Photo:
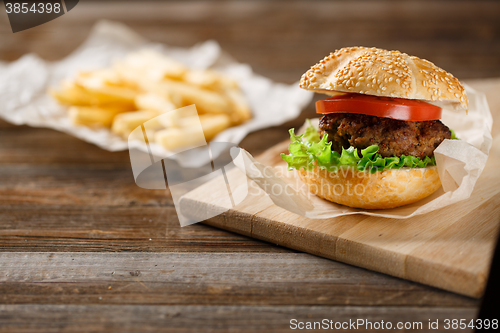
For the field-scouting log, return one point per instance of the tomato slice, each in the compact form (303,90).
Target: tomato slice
(387,107)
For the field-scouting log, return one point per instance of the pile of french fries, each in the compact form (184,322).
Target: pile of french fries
(147,84)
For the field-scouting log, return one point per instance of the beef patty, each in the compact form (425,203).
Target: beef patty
(393,137)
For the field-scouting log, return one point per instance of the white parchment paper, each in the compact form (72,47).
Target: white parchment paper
(24,84)
(459,163)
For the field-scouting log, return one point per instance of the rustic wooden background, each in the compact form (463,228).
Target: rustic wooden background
(84,249)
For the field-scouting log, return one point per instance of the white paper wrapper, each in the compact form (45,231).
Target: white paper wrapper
(24,84)
(459,162)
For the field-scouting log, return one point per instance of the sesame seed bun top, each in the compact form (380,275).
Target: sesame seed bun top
(380,72)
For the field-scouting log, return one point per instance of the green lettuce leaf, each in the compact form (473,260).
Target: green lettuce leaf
(309,150)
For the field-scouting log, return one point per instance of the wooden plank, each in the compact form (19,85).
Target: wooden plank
(41,146)
(56,185)
(111,229)
(207,318)
(205,278)
(462,38)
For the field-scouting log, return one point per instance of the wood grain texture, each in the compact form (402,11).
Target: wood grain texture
(204,278)
(462,37)
(113,228)
(60,195)
(207,318)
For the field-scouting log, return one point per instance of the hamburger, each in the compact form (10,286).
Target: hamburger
(374,148)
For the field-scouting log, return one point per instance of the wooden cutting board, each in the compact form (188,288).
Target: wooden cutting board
(450,248)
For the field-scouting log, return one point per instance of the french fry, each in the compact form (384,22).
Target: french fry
(158,103)
(125,123)
(161,105)
(111,94)
(172,118)
(149,65)
(206,101)
(241,110)
(100,87)
(190,134)
(209,79)
(73,94)
(176,118)
(99,78)
(212,124)
(139,134)
(176,138)
(92,116)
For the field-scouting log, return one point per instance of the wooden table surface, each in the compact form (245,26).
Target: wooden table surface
(83,249)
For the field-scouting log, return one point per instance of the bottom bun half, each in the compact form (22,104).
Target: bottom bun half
(380,190)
